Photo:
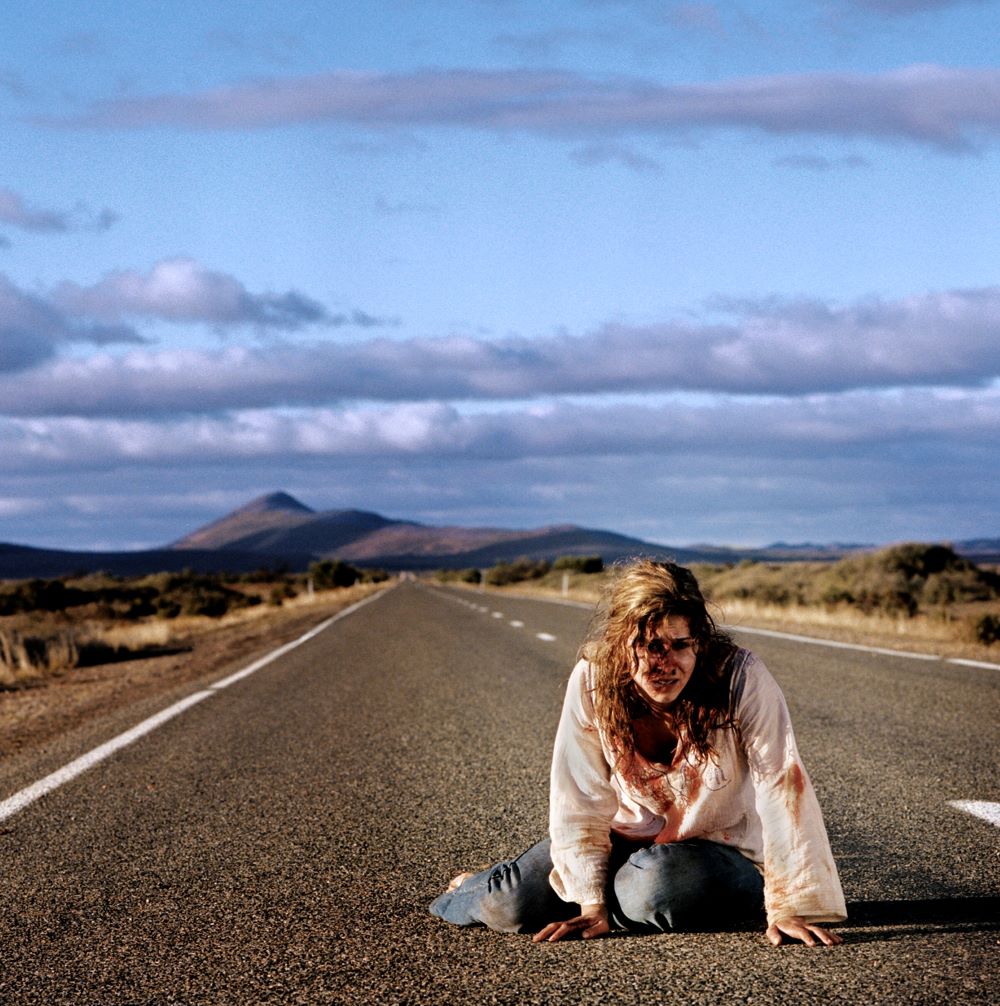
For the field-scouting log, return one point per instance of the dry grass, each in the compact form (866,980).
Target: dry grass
(38,645)
(943,636)
(26,658)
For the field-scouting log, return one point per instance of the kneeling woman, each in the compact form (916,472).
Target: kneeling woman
(678,798)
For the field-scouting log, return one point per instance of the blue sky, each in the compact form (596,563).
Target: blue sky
(717,272)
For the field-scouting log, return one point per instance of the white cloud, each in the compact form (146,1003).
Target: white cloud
(182,290)
(941,106)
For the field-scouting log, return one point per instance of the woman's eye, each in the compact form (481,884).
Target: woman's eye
(657,647)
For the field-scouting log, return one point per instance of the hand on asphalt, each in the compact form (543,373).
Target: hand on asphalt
(593,922)
(798,929)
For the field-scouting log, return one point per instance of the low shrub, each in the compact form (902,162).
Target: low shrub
(901,580)
(374,576)
(580,563)
(469,575)
(987,630)
(282,592)
(515,572)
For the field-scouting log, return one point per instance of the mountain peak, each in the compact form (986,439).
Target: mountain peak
(278,501)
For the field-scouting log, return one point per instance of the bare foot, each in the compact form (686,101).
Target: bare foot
(457,882)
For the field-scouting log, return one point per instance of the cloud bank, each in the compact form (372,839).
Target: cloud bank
(861,423)
(944,107)
(769,347)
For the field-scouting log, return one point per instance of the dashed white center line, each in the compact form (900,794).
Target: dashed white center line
(545,637)
(516,623)
(498,614)
(983,809)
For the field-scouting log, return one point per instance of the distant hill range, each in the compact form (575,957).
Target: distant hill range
(278,531)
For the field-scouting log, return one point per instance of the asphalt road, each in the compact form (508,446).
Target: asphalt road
(279,841)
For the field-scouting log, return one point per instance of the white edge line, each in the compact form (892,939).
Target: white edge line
(983,809)
(834,643)
(973,663)
(31,793)
(24,797)
(282,650)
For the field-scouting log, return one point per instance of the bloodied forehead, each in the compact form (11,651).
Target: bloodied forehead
(669,627)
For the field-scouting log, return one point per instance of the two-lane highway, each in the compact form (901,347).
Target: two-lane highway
(279,841)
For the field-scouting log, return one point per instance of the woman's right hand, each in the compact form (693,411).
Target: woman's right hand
(592,921)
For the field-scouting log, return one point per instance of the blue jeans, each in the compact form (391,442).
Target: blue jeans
(693,885)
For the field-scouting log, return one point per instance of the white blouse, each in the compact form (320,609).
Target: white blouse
(754,795)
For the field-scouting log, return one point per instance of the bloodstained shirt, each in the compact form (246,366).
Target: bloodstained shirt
(752,794)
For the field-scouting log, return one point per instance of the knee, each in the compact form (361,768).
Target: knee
(509,902)
(671,886)
(688,885)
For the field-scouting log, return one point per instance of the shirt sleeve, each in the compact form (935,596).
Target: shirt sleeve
(582,801)
(800,876)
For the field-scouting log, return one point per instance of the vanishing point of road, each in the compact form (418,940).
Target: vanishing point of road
(279,839)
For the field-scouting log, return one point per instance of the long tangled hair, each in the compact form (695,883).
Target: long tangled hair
(640,595)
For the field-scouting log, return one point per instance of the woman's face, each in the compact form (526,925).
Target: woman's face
(666,659)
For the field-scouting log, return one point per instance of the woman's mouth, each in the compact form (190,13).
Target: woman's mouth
(663,682)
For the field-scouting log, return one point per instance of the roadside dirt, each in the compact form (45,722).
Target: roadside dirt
(32,715)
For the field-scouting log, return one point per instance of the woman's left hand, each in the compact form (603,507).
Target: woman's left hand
(798,929)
